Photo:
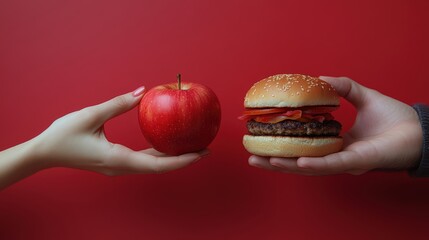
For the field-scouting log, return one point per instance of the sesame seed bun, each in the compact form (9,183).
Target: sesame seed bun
(290,90)
(282,146)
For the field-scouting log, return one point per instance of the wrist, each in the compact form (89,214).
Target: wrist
(34,150)
(31,159)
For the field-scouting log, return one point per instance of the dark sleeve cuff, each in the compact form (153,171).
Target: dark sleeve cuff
(423,168)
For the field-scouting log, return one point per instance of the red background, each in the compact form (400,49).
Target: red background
(60,56)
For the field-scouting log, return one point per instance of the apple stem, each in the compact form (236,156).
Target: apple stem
(179,81)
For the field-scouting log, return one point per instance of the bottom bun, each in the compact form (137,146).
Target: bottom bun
(278,146)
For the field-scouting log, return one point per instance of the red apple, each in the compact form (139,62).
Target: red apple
(178,118)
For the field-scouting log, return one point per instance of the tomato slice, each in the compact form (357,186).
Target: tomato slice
(275,115)
(319,110)
(278,117)
(275,119)
(263,111)
(308,110)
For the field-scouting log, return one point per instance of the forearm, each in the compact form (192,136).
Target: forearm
(18,162)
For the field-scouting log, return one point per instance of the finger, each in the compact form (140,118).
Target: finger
(289,164)
(348,89)
(156,153)
(133,161)
(150,164)
(153,152)
(116,106)
(341,162)
(160,158)
(264,163)
(267,164)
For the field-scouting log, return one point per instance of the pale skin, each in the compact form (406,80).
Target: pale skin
(77,140)
(386,135)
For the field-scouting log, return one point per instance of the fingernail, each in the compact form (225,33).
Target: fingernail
(139,91)
(254,161)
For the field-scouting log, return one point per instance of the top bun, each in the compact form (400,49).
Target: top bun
(291,90)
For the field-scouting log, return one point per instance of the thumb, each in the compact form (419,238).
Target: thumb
(118,105)
(348,89)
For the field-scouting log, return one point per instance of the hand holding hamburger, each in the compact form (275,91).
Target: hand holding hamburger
(386,134)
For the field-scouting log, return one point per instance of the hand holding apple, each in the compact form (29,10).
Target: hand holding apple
(179,118)
(77,140)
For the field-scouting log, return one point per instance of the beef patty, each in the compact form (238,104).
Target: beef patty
(294,128)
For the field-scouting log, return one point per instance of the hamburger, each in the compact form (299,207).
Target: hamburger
(289,115)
